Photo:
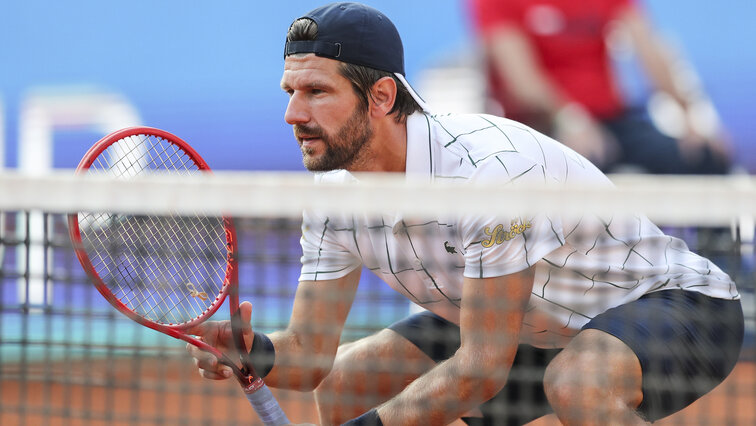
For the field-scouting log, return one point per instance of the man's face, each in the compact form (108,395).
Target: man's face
(331,126)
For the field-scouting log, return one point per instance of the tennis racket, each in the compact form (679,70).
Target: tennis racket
(168,273)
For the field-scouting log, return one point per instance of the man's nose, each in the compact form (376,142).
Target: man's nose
(296,111)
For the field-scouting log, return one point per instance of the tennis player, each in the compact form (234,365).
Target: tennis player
(601,320)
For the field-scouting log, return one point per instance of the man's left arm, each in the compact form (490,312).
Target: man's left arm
(671,74)
(490,320)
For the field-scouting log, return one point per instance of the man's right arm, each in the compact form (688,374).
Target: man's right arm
(305,350)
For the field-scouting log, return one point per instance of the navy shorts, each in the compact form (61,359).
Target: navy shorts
(687,343)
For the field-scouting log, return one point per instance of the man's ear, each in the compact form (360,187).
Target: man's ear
(382,96)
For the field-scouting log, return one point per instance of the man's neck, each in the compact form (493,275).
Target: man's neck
(387,151)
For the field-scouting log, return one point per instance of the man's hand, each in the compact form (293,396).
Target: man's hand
(703,130)
(576,128)
(219,335)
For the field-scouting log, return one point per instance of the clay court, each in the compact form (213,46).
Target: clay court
(172,393)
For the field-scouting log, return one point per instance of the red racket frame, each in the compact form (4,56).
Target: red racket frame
(246,375)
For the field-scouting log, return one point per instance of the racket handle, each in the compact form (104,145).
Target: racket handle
(267,407)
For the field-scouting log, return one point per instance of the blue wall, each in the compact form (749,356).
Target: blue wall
(209,71)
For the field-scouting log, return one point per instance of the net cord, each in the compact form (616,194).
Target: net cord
(671,199)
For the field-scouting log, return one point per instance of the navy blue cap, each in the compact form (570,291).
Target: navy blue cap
(356,34)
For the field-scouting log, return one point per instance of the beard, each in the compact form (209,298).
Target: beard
(342,148)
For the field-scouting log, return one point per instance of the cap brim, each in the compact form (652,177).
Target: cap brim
(415,96)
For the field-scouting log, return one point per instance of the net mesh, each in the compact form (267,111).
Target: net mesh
(67,357)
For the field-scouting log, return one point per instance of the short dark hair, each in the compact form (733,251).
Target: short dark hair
(362,78)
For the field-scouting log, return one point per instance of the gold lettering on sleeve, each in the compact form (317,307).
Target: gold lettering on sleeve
(492,234)
(498,235)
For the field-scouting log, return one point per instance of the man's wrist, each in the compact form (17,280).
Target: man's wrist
(263,354)
(571,116)
(370,418)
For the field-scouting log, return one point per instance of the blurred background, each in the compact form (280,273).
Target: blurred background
(209,71)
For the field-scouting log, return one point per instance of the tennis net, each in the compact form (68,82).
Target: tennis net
(67,357)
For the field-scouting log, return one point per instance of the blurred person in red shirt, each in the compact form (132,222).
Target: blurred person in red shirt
(550,67)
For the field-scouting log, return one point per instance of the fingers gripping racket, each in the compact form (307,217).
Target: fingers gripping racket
(168,273)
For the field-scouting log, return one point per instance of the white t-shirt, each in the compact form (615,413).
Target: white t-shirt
(583,266)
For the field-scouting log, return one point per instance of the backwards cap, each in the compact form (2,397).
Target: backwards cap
(357,34)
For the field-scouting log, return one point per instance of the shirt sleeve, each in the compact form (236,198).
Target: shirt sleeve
(495,245)
(323,256)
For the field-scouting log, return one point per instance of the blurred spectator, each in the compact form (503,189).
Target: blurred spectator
(550,67)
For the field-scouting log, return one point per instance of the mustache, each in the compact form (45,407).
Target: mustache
(301,131)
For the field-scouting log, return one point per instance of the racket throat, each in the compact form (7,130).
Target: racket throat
(251,384)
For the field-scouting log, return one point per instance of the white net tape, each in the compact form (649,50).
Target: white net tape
(678,200)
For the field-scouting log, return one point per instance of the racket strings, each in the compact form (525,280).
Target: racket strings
(167,269)
(177,275)
(154,270)
(133,155)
